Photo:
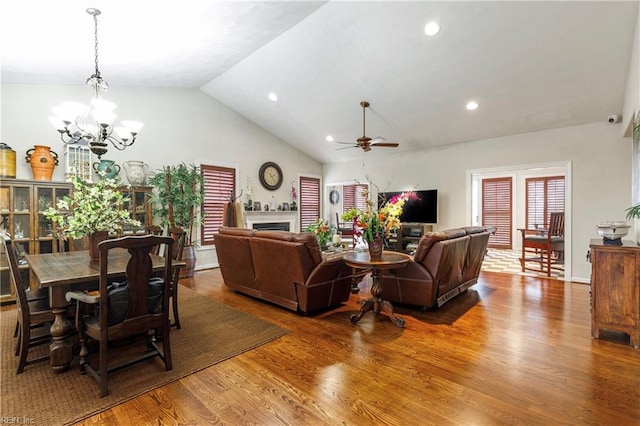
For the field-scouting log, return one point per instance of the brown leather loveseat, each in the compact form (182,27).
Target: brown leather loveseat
(444,265)
(284,268)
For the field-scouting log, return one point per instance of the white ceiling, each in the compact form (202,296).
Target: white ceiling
(530,65)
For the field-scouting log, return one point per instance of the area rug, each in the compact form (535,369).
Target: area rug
(211,332)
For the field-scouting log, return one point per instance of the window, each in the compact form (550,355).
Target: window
(496,210)
(545,195)
(219,188)
(309,201)
(352,197)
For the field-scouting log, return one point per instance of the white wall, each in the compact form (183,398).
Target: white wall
(600,166)
(181,125)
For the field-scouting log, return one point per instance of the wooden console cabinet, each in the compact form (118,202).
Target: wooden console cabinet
(615,289)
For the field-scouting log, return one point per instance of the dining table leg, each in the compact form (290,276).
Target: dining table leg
(61,347)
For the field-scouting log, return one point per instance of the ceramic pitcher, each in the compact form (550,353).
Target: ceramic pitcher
(108,167)
(136,172)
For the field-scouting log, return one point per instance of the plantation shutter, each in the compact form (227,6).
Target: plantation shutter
(496,210)
(545,195)
(219,188)
(352,197)
(309,201)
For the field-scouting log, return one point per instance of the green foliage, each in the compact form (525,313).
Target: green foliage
(176,204)
(322,230)
(633,212)
(91,208)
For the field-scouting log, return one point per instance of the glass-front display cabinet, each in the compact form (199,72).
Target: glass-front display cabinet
(22,206)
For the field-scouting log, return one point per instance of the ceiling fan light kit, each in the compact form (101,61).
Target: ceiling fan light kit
(364,142)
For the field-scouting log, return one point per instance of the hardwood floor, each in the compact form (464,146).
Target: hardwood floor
(511,350)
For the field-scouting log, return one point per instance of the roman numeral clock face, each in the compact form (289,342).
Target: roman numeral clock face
(270,175)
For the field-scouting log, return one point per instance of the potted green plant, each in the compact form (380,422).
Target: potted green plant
(93,210)
(178,192)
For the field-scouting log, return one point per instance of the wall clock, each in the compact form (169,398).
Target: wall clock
(334,196)
(270,175)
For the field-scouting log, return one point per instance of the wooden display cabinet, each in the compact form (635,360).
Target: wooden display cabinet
(615,289)
(139,207)
(22,206)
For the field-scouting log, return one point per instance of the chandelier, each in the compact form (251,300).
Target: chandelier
(93,125)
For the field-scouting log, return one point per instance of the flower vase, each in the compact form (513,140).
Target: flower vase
(93,241)
(375,248)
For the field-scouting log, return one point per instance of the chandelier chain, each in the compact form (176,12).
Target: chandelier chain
(95,45)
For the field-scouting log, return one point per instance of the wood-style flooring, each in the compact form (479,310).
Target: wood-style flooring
(511,350)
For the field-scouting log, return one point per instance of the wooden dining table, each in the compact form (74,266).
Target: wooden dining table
(75,270)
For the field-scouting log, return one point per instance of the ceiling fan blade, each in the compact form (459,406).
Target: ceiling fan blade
(345,143)
(347,147)
(377,139)
(386,144)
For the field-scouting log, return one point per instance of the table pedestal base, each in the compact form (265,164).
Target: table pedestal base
(376,304)
(61,347)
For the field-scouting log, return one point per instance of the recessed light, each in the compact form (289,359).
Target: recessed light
(273,97)
(432,28)
(329,138)
(472,105)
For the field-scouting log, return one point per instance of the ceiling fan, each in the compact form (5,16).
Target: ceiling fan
(365,142)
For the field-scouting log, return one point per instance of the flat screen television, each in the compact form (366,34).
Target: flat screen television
(422,210)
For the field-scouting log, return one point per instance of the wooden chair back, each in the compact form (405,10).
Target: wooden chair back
(14,272)
(556,224)
(154,230)
(179,238)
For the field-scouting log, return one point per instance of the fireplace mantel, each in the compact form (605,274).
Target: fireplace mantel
(291,217)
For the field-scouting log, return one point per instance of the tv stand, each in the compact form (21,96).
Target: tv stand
(407,237)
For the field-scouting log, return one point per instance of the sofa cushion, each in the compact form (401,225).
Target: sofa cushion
(473,229)
(426,242)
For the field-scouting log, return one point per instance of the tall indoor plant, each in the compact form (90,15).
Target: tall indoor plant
(178,193)
(93,210)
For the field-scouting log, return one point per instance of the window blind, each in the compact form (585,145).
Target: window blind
(219,188)
(352,197)
(544,195)
(496,210)
(309,201)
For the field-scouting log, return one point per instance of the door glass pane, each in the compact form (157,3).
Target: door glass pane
(45,226)
(45,199)
(46,246)
(21,228)
(21,200)
(22,249)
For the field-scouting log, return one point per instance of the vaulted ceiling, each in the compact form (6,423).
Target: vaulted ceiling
(529,65)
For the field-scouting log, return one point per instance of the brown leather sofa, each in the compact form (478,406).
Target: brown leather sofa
(281,267)
(444,265)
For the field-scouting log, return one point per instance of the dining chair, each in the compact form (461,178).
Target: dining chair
(123,311)
(179,236)
(31,314)
(154,230)
(544,246)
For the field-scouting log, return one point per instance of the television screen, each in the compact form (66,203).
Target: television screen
(422,210)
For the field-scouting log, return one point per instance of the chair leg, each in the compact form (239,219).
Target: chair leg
(174,301)
(25,336)
(103,369)
(15,332)
(18,340)
(166,348)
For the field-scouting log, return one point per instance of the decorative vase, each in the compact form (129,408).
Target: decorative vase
(42,161)
(189,256)
(7,161)
(108,167)
(136,172)
(375,248)
(93,241)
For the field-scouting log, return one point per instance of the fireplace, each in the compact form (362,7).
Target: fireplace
(271,226)
(277,220)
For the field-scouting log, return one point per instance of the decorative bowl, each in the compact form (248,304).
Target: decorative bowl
(613,230)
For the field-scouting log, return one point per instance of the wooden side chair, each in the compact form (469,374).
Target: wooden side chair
(544,246)
(136,307)
(31,314)
(179,236)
